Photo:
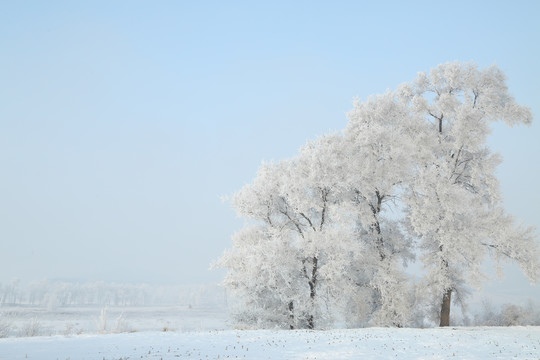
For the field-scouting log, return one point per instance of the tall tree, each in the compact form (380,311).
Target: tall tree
(379,146)
(291,203)
(333,226)
(454,202)
(262,265)
(263,273)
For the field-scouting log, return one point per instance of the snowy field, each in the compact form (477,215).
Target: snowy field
(371,343)
(78,320)
(183,332)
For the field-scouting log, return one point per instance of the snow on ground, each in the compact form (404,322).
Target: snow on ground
(369,343)
(73,320)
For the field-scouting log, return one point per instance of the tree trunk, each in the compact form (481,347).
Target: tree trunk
(376,226)
(313,290)
(445,308)
(310,322)
(291,315)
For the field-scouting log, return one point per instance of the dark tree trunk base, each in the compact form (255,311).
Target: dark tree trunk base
(291,315)
(311,324)
(445,308)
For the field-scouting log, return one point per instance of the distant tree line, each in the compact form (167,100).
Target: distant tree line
(99,293)
(507,315)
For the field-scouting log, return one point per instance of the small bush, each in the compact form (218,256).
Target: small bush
(508,315)
(5,326)
(121,325)
(32,328)
(72,329)
(101,321)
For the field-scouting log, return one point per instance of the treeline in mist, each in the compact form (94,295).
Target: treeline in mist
(53,294)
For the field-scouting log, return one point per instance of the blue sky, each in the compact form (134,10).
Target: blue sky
(122,123)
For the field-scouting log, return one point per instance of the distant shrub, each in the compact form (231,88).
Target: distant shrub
(121,325)
(101,321)
(508,315)
(31,328)
(5,326)
(72,329)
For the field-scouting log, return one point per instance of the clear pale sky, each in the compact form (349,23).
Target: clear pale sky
(123,122)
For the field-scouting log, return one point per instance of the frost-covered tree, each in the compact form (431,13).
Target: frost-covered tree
(295,251)
(330,231)
(378,139)
(258,271)
(263,272)
(320,241)
(454,205)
